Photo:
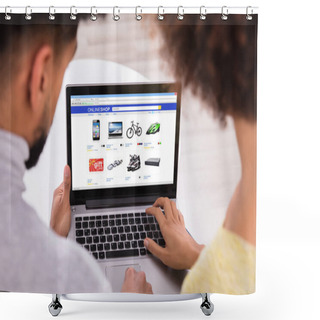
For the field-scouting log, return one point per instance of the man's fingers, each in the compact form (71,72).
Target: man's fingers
(164,203)
(141,277)
(154,248)
(149,288)
(58,190)
(130,272)
(157,213)
(67,181)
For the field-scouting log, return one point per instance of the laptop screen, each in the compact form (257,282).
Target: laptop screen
(123,136)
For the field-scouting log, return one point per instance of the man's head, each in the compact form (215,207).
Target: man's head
(33,59)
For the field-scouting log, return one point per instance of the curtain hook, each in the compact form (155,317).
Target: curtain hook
(160,15)
(224,13)
(28,13)
(203,13)
(7,10)
(138,16)
(180,13)
(116,17)
(93,15)
(52,12)
(249,15)
(73,13)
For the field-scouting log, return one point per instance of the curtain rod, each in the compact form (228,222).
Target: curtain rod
(224,10)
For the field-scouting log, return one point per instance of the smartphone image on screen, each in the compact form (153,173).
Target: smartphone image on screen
(96,129)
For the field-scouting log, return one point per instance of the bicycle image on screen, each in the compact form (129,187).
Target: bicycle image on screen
(134,129)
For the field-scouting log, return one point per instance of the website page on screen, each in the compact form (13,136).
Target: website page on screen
(122,140)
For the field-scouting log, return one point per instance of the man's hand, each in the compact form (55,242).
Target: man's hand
(135,282)
(60,213)
(181,250)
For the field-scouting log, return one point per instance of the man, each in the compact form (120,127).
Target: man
(34,258)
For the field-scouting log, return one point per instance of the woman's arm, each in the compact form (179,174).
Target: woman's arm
(241,213)
(181,250)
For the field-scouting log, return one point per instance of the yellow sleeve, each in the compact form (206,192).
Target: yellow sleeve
(227,265)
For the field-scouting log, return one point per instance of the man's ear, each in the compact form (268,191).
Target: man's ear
(41,69)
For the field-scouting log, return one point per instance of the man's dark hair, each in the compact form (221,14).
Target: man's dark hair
(18,34)
(217,59)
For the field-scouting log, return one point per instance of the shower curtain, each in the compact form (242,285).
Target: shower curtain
(116,108)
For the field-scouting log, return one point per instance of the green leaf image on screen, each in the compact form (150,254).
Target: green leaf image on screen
(154,128)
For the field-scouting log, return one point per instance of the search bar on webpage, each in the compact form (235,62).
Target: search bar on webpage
(137,108)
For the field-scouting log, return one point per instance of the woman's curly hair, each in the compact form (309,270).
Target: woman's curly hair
(217,59)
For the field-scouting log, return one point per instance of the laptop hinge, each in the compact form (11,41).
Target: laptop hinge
(124,202)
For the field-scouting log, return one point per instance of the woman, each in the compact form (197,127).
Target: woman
(217,59)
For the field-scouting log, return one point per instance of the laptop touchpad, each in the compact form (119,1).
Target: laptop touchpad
(115,274)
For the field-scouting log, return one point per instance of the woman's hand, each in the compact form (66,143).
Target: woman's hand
(181,250)
(61,213)
(136,282)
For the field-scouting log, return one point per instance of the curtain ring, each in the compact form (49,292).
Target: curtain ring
(116,17)
(224,13)
(93,15)
(160,15)
(180,13)
(52,12)
(7,10)
(138,16)
(28,13)
(249,15)
(203,13)
(73,13)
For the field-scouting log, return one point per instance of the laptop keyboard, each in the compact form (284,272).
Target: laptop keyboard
(117,235)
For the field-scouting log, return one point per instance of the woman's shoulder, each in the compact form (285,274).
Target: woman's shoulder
(226,265)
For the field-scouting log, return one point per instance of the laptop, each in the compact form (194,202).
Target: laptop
(115,180)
